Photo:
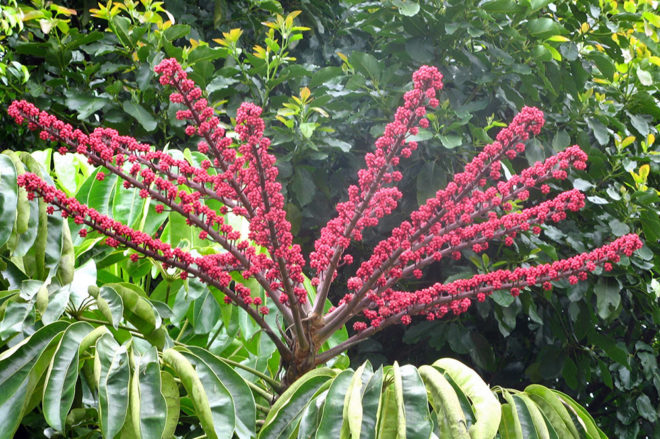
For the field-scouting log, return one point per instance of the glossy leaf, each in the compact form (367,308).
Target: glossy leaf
(8,198)
(21,368)
(62,376)
(152,412)
(445,403)
(334,409)
(170,391)
(194,387)
(285,413)
(486,406)
(416,405)
(113,383)
(242,398)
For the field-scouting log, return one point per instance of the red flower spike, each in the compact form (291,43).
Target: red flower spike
(476,208)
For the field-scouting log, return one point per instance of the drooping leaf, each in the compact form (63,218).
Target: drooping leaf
(486,407)
(287,410)
(445,403)
(170,391)
(195,389)
(152,412)
(243,400)
(62,376)
(416,405)
(330,425)
(111,362)
(21,368)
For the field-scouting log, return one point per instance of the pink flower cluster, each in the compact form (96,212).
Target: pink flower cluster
(456,297)
(476,208)
(374,197)
(247,176)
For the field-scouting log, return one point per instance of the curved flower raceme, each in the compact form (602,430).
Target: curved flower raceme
(478,206)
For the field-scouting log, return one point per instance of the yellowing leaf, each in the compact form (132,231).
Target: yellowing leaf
(650,139)
(627,141)
(584,28)
(558,38)
(62,10)
(233,35)
(259,52)
(305,93)
(644,172)
(342,56)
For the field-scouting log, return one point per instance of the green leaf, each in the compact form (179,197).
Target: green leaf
(604,64)
(217,394)
(243,400)
(8,199)
(387,415)
(206,313)
(99,195)
(451,141)
(608,344)
(644,77)
(366,64)
(607,296)
(503,298)
(499,6)
(398,398)
(600,131)
(113,374)
(303,186)
(509,425)
(66,265)
(177,31)
(553,409)
(486,407)
(586,421)
(646,409)
(141,313)
(21,368)
(544,27)
(127,206)
(307,129)
(85,105)
(525,418)
(352,404)
(451,419)
(110,304)
(62,376)
(170,391)
(408,8)
(369,405)
(650,225)
(418,418)
(192,382)
(330,425)
(58,298)
(286,412)
(140,114)
(152,411)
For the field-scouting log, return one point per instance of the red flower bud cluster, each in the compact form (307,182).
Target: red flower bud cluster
(476,208)
(374,197)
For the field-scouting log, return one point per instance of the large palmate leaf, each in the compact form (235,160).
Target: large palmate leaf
(448,399)
(21,368)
